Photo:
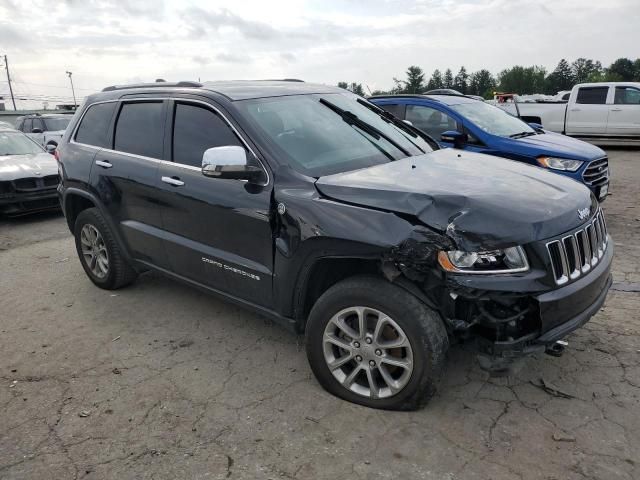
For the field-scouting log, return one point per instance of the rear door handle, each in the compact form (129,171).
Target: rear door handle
(616,109)
(103,164)
(575,109)
(175,181)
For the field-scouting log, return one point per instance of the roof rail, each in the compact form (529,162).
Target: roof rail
(184,84)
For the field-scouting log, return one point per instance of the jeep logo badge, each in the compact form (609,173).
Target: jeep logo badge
(583,213)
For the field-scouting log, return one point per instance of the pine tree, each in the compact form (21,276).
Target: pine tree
(448,79)
(435,81)
(460,82)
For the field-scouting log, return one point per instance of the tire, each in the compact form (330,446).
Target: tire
(423,329)
(118,272)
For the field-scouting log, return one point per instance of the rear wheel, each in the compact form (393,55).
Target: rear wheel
(99,253)
(373,343)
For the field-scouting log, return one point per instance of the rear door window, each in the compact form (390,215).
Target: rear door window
(430,120)
(140,129)
(94,127)
(396,109)
(592,95)
(196,129)
(26,126)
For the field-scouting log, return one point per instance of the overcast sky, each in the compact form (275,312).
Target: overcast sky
(325,41)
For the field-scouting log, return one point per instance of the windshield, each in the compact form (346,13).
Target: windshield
(16,143)
(493,120)
(58,123)
(314,139)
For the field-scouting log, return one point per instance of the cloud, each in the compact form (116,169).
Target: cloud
(233,58)
(202,22)
(108,42)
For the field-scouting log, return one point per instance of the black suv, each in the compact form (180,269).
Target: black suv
(314,207)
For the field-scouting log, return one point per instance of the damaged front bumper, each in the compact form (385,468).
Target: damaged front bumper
(515,315)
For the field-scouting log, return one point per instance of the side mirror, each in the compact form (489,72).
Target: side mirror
(36,130)
(229,162)
(457,138)
(50,148)
(536,126)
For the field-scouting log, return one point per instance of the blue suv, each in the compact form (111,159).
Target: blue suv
(464,122)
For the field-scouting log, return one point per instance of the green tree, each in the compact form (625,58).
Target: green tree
(560,79)
(447,81)
(522,80)
(583,69)
(621,70)
(352,87)
(460,82)
(435,81)
(636,69)
(482,83)
(414,82)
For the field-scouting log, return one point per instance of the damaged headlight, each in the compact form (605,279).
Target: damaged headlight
(560,163)
(508,260)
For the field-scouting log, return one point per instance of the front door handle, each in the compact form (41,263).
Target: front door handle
(575,109)
(103,164)
(175,181)
(616,109)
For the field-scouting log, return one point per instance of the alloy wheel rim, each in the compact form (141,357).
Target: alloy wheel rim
(367,352)
(94,251)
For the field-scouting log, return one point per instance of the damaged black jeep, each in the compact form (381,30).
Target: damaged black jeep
(316,208)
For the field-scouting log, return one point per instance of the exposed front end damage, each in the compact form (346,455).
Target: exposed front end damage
(504,316)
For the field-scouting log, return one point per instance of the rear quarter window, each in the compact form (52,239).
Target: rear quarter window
(94,126)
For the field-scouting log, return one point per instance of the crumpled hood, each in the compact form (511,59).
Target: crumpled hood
(21,166)
(480,201)
(550,143)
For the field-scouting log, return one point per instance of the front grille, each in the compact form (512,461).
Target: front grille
(31,184)
(577,253)
(51,180)
(25,183)
(597,173)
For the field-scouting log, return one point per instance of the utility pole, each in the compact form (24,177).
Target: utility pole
(72,90)
(6,64)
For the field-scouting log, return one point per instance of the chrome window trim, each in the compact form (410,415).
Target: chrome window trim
(158,160)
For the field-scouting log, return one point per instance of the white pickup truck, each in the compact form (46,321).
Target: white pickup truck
(606,112)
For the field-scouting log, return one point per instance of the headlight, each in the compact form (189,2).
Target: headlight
(508,260)
(560,163)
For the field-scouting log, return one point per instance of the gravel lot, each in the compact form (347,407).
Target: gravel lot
(161,381)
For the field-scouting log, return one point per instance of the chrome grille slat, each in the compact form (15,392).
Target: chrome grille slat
(574,255)
(597,172)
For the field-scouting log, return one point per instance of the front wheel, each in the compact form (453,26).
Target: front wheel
(373,343)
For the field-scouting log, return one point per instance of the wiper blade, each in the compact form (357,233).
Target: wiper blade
(410,129)
(522,134)
(352,119)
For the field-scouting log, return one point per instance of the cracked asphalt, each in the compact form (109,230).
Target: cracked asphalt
(160,381)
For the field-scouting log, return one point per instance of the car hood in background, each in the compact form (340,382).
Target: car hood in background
(13,167)
(562,146)
(480,201)
(55,133)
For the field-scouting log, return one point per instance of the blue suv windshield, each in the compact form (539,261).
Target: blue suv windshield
(309,133)
(493,120)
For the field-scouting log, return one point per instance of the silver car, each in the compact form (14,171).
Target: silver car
(46,129)
(28,175)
